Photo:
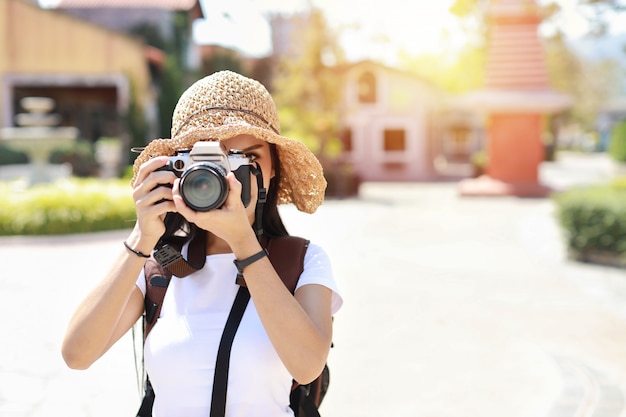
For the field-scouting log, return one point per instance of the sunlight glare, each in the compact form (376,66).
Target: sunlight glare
(379,30)
(391,26)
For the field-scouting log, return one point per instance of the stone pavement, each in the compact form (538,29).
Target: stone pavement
(454,307)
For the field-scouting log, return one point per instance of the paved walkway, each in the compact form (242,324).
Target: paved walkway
(454,307)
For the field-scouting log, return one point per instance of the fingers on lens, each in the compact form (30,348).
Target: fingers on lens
(161,193)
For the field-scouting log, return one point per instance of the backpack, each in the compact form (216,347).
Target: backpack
(286,254)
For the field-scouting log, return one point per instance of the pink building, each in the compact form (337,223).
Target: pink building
(389,123)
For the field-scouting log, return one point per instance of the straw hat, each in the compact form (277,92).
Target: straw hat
(226,104)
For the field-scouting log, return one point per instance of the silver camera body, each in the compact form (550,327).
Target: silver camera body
(202,171)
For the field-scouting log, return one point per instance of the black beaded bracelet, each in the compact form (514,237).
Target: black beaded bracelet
(136,252)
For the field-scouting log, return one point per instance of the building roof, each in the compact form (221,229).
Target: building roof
(130,4)
(365,63)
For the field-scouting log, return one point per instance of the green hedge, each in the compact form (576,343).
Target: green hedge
(9,157)
(594,222)
(69,206)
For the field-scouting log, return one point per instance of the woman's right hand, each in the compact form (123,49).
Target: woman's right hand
(116,303)
(152,194)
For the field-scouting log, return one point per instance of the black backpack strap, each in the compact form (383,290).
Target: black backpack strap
(220,378)
(286,254)
(305,399)
(306,404)
(145,410)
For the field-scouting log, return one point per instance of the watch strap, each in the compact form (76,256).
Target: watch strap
(241,265)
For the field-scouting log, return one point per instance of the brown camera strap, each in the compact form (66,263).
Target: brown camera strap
(173,261)
(287,257)
(286,253)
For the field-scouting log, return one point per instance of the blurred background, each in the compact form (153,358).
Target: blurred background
(475,152)
(380,93)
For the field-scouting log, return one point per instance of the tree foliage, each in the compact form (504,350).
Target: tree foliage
(173,77)
(598,11)
(171,86)
(595,10)
(222,59)
(590,83)
(307,87)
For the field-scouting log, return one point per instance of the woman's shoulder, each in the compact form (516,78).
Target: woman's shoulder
(318,270)
(314,250)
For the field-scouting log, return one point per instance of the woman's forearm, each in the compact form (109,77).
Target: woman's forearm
(300,327)
(106,313)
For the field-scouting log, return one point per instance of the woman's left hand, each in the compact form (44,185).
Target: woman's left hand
(230,222)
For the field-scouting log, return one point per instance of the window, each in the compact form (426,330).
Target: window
(459,138)
(367,88)
(394,166)
(394,140)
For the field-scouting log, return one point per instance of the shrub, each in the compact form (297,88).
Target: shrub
(127,174)
(594,222)
(9,156)
(80,155)
(69,206)
(480,161)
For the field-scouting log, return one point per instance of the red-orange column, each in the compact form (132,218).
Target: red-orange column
(515,147)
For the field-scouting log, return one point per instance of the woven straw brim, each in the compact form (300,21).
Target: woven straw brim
(302,179)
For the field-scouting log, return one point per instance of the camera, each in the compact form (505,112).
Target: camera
(202,171)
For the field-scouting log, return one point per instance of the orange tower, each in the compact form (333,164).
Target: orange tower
(515,100)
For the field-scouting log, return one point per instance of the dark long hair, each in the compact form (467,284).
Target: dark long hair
(179,231)
(273,225)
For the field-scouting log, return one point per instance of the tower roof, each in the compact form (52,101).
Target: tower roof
(515,55)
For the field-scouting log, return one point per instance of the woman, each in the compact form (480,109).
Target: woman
(281,336)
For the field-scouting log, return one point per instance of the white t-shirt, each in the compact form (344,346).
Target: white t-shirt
(181,349)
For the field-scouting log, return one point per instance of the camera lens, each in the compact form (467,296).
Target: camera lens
(204,187)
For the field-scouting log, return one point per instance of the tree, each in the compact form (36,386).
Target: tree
(173,77)
(172,82)
(307,86)
(221,59)
(598,10)
(590,83)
